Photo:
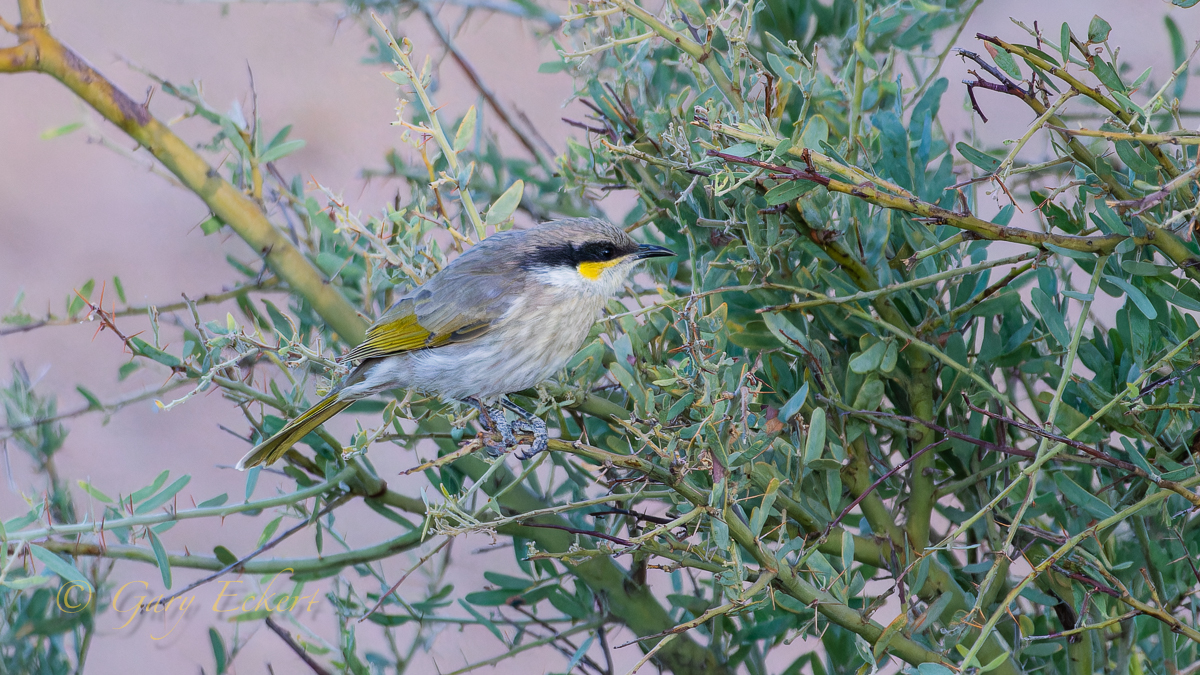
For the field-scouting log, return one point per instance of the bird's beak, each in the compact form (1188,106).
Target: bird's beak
(650,251)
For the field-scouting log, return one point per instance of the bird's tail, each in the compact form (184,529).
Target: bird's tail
(270,450)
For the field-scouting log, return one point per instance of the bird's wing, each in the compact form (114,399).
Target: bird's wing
(448,308)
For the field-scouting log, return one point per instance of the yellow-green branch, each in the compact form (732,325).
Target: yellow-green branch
(39,51)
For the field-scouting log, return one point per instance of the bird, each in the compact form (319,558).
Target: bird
(504,316)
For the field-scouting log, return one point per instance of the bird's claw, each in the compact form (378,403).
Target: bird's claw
(493,419)
(533,425)
(541,441)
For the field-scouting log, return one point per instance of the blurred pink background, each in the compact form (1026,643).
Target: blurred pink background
(71,210)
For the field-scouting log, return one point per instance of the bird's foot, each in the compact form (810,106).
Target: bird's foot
(532,425)
(494,420)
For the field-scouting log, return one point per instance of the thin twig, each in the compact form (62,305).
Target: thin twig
(589,533)
(396,585)
(484,90)
(708,615)
(1089,450)
(295,646)
(891,472)
(250,556)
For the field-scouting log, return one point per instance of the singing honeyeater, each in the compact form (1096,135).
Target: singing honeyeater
(505,315)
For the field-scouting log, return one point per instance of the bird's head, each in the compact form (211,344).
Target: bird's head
(587,255)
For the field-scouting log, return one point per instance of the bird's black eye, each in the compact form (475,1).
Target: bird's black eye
(598,251)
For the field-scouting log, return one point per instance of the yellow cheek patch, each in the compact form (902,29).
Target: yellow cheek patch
(592,270)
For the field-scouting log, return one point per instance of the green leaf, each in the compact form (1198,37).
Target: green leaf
(1107,75)
(898,624)
(1007,63)
(61,131)
(93,400)
(127,369)
(143,348)
(390,620)
(466,130)
(211,225)
(1034,50)
(568,604)
(280,136)
(1108,220)
(224,555)
(1139,298)
(794,404)
(162,497)
(816,131)
(150,489)
(997,304)
(922,575)
(1141,268)
(865,56)
(1082,498)
(1127,103)
(1064,42)
(486,622)
(978,158)
(61,567)
(847,550)
(578,655)
(253,615)
(1098,29)
(870,395)
(251,481)
(20,521)
(994,663)
(870,360)
(1178,53)
(758,517)
(788,191)
(120,289)
(235,137)
(553,66)
(1034,595)
(87,487)
(1050,316)
(1141,78)
(1175,297)
(815,446)
(215,501)
(893,144)
(22,583)
(279,320)
(269,530)
(1133,160)
(282,150)
(506,204)
(218,648)
(160,555)
(509,582)
(75,303)
(890,357)
(1184,3)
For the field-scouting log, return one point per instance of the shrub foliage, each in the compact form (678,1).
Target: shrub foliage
(854,410)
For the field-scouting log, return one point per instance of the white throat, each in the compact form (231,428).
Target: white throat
(607,285)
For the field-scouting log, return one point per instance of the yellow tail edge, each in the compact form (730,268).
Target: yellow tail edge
(270,450)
